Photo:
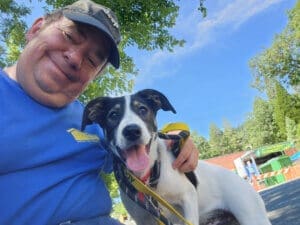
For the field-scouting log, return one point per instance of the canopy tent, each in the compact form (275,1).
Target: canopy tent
(266,150)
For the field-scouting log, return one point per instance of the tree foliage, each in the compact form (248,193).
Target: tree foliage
(232,138)
(202,145)
(12,30)
(291,129)
(281,61)
(260,127)
(215,138)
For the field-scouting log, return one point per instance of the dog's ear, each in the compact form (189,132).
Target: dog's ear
(156,100)
(94,111)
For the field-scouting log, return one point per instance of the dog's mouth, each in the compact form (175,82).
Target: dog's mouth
(137,157)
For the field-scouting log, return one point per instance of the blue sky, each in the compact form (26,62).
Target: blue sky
(208,80)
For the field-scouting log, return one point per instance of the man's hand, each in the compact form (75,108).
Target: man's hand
(187,160)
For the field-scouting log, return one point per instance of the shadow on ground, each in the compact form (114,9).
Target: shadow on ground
(283,203)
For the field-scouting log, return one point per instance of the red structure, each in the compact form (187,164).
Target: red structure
(226,161)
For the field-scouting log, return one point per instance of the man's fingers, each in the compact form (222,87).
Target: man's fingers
(187,160)
(181,158)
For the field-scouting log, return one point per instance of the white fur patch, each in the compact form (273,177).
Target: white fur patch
(131,117)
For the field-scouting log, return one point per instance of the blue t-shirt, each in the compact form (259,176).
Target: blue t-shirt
(49,170)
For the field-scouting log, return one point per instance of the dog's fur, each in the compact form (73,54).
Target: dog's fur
(130,129)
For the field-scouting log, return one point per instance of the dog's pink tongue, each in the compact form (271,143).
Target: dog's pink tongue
(137,159)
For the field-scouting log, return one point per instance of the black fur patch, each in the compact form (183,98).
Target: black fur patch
(220,217)
(192,178)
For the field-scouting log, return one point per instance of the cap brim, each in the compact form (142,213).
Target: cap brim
(114,57)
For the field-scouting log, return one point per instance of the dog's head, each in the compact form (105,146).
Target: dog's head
(129,124)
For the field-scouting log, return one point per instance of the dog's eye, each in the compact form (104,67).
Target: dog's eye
(143,110)
(113,115)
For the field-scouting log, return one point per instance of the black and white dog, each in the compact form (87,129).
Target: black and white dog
(130,128)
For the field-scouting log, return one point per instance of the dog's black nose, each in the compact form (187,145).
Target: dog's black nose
(132,132)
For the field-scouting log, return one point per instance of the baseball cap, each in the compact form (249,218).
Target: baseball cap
(101,17)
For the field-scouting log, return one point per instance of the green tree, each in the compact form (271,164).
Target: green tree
(260,126)
(118,210)
(243,139)
(232,138)
(220,142)
(284,105)
(281,106)
(291,129)
(202,145)
(294,111)
(12,30)
(215,140)
(282,60)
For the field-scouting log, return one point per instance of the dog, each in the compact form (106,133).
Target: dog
(130,130)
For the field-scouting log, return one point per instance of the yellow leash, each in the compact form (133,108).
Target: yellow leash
(179,126)
(175,126)
(140,186)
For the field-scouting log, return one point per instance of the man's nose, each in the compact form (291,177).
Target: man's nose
(74,57)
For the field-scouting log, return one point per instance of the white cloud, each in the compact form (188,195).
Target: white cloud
(198,33)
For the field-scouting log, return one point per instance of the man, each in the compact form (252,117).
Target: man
(48,169)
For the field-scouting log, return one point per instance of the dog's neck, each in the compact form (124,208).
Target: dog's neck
(152,175)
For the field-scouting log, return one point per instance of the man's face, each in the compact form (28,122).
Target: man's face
(59,60)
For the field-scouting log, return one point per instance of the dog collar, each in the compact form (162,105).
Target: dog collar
(145,178)
(152,176)
(155,174)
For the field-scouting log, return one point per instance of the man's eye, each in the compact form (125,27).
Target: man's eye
(67,36)
(92,62)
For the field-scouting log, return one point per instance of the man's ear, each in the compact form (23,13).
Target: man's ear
(34,29)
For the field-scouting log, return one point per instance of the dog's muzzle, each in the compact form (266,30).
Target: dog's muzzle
(135,154)
(132,132)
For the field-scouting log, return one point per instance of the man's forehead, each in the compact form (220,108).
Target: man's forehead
(80,28)
(85,31)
